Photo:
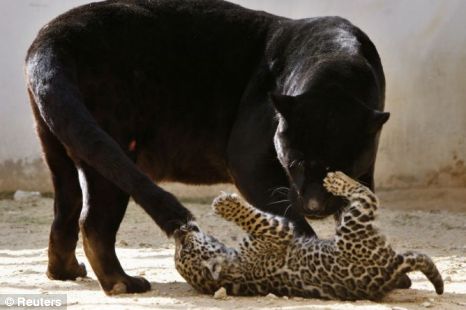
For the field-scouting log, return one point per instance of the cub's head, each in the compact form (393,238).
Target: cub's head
(191,243)
(199,257)
(321,132)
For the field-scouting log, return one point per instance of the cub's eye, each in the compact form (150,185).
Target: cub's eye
(327,169)
(188,247)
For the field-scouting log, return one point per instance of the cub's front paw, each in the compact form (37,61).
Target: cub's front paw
(225,202)
(339,184)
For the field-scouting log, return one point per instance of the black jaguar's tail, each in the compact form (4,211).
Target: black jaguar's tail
(52,82)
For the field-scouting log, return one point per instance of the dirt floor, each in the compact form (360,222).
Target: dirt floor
(431,221)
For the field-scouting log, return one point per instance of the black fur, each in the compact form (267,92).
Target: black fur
(128,92)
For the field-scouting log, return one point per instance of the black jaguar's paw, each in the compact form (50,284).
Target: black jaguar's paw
(64,273)
(173,216)
(130,285)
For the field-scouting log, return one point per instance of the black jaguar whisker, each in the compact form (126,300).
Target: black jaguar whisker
(286,210)
(279,201)
(280,190)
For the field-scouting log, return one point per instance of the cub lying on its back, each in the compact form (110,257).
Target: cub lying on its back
(357,264)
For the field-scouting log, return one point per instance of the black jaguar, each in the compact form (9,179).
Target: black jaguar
(128,93)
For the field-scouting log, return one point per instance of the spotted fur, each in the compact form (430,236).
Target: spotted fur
(357,263)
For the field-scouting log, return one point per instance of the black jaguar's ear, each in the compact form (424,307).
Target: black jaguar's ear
(378,119)
(283,104)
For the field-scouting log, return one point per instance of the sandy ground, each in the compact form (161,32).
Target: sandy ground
(431,221)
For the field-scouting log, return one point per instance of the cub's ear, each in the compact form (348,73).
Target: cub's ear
(283,104)
(378,119)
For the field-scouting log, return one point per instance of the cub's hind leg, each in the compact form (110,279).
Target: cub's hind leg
(339,184)
(254,221)
(362,201)
(403,282)
(359,215)
(62,262)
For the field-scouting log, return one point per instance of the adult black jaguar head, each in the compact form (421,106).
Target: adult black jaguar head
(321,132)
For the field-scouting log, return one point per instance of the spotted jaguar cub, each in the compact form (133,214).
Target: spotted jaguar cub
(356,264)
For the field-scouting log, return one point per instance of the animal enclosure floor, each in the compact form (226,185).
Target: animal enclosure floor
(144,250)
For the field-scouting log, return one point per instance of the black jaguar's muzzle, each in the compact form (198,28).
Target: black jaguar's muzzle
(315,202)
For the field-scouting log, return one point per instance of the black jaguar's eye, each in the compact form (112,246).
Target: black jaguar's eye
(296,171)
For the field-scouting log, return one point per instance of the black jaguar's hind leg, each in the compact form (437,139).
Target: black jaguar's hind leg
(103,209)
(62,264)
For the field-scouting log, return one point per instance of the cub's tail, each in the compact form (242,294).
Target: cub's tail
(413,261)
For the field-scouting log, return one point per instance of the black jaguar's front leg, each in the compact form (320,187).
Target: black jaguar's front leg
(367,179)
(258,183)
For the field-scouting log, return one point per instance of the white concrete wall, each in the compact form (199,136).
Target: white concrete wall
(422,44)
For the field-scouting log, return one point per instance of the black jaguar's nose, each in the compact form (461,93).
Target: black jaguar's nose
(313,205)
(316,209)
